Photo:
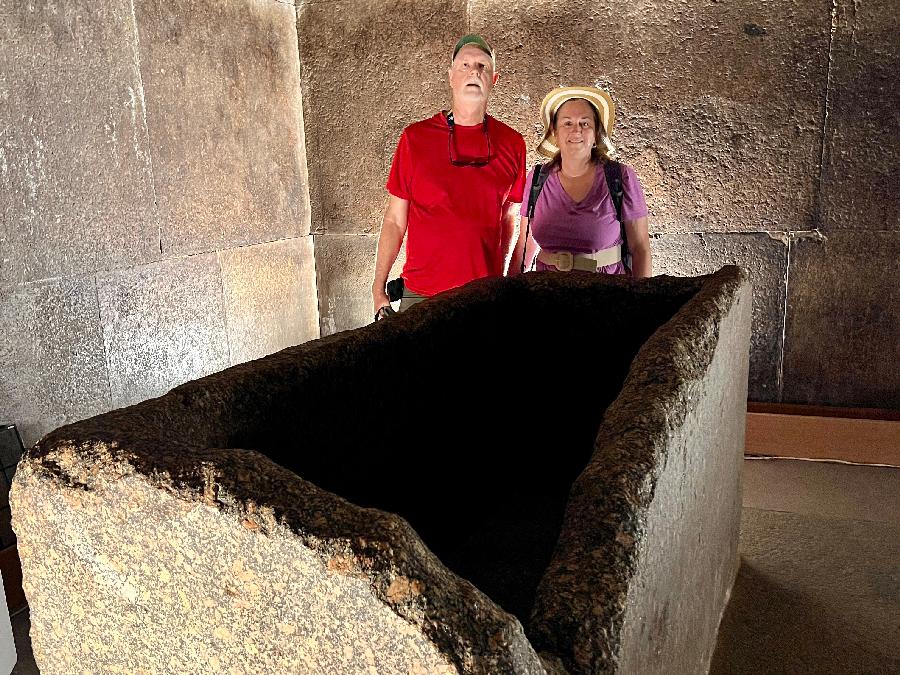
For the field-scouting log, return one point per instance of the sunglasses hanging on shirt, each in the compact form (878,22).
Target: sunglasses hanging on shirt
(459,159)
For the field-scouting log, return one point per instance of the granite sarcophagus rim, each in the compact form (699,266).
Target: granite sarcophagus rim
(248,521)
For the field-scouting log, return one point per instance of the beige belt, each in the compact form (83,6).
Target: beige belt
(566,261)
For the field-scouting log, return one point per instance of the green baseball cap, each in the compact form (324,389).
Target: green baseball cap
(478,41)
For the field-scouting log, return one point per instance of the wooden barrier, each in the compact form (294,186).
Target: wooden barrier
(858,435)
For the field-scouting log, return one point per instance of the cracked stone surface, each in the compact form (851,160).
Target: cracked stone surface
(225,119)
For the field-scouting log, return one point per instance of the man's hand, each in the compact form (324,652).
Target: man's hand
(379,299)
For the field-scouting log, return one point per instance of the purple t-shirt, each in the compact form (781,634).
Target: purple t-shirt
(560,224)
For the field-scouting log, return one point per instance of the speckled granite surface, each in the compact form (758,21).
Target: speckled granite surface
(202,531)
(648,548)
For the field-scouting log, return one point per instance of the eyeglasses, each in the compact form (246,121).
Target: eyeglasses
(456,159)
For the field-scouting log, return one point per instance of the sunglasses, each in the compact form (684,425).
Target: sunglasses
(457,159)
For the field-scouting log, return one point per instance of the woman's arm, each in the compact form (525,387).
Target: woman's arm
(639,247)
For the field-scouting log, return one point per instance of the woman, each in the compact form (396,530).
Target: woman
(574,217)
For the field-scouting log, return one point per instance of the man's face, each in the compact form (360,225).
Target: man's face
(472,75)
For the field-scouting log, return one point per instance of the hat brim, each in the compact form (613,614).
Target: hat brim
(599,99)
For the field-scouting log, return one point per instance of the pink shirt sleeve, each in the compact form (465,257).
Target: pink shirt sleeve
(634,204)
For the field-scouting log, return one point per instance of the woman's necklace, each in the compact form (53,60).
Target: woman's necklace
(577,186)
(571,176)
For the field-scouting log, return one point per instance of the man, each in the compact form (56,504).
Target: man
(454,185)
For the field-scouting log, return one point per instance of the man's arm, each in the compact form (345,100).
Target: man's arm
(393,229)
(509,229)
(639,247)
(524,250)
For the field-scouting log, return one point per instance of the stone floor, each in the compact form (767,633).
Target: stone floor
(818,590)
(819,586)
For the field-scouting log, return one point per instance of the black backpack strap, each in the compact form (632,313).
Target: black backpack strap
(613,171)
(537,184)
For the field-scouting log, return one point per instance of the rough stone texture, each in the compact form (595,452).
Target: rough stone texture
(345,266)
(843,321)
(105,113)
(766,259)
(151,540)
(688,571)
(268,291)
(219,586)
(396,69)
(75,169)
(719,104)
(862,136)
(52,364)
(225,121)
(163,324)
(628,590)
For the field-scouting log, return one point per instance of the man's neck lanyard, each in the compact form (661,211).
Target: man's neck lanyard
(457,159)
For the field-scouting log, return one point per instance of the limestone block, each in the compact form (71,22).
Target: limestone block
(719,104)
(765,257)
(75,169)
(345,266)
(269,296)
(52,363)
(862,134)
(225,121)
(841,344)
(369,69)
(163,324)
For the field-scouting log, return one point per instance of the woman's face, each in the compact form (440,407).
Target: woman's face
(575,128)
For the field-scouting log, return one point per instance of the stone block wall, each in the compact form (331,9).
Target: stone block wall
(765,135)
(154,220)
(157,216)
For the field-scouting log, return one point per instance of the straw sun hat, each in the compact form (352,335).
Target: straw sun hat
(598,98)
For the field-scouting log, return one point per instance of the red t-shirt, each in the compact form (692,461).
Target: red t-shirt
(455,214)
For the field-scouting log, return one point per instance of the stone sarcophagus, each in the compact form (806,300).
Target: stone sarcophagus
(530,475)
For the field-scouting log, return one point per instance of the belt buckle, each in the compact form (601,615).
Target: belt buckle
(565,261)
